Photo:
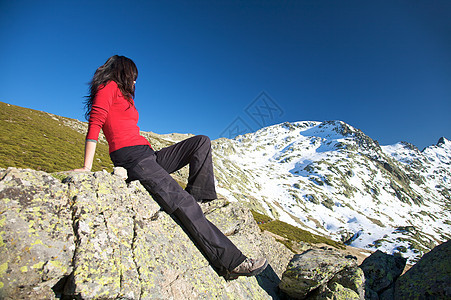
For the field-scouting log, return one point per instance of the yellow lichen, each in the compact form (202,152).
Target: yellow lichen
(38,265)
(3,268)
(37,242)
(59,265)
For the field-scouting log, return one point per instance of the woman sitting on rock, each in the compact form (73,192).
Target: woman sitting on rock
(110,107)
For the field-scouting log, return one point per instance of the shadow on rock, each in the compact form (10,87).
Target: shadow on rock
(269,281)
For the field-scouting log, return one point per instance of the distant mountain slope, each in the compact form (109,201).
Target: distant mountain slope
(333,179)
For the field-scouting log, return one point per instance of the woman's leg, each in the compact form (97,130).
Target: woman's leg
(220,251)
(195,151)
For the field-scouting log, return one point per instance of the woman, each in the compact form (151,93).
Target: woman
(110,107)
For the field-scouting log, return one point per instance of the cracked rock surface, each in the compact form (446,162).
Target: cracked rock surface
(92,236)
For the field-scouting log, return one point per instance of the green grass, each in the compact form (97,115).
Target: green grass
(292,233)
(33,139)
(260,218)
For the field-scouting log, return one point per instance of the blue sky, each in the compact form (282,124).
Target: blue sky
(207,67)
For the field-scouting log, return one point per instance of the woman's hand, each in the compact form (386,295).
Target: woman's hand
(84,169)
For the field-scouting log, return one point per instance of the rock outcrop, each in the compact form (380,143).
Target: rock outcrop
(323,274)
(91,236)
(430,278)
(381,271)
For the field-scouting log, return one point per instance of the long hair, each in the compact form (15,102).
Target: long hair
(119,69)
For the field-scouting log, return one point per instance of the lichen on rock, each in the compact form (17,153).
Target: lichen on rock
(318,272)
(36,234)
(92,235)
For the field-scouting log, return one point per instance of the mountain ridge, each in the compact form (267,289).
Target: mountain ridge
(332,178)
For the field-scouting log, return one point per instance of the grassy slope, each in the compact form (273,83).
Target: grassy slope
(34,139)
(290,233)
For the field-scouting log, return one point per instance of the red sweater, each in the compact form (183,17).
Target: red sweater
(118,119)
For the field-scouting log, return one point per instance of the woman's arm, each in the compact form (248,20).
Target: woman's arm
(90,149)
(99,112)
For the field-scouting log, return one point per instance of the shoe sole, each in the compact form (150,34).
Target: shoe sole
(253,273)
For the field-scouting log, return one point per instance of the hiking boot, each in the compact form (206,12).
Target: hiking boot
(249,267)
(203,201)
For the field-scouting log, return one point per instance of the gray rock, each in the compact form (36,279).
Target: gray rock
(36,234)
(430,278)
(347,284)
(351,278)
(381,270)
(92,236)
(314,269)
(121,172)
(334,291)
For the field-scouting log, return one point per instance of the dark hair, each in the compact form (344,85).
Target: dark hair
(119,69)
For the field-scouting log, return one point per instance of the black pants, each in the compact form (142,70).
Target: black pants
(153,172)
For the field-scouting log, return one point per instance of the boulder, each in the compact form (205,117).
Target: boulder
(352,279)
(381,270)
(429,278)
(319,273)
(93,236)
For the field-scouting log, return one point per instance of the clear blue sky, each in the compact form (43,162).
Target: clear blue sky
(381,66)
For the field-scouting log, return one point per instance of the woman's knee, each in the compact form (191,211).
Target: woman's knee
(204,140)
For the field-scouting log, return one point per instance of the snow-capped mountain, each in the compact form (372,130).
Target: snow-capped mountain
(331,178)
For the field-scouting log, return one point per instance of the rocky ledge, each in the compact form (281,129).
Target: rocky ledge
(92,236)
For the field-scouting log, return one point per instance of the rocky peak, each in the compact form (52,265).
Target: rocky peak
(409,146)
(443,141)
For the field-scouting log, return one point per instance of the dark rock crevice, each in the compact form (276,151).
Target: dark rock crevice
(133,250)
